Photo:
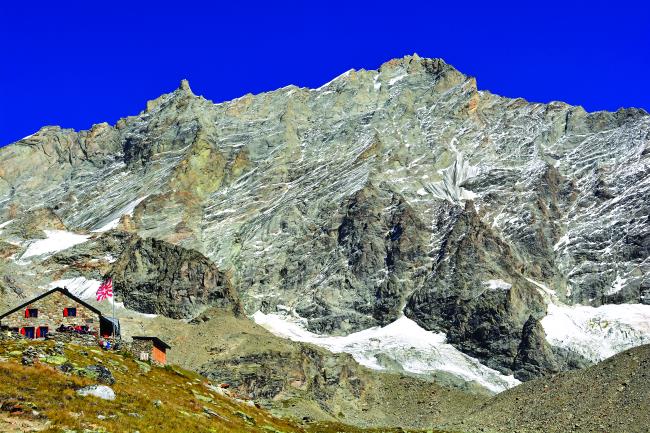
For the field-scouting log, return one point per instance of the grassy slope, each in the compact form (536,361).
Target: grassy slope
(184,397)
(227,339)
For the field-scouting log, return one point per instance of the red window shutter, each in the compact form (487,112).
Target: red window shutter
(22,331)
(38,332)
(65,312)
(27,312)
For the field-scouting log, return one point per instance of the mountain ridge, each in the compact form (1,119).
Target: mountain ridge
(377,190)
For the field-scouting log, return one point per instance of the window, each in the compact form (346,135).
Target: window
(70,312)
(31,312)
(41,331)
(27,331)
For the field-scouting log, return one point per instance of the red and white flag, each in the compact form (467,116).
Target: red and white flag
(105,290)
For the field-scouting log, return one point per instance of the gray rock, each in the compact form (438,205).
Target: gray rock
(100,373)
(153,276)
(535,356)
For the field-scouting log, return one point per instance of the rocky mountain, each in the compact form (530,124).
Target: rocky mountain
(517,232)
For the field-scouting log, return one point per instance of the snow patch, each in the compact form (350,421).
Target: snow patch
(376,84)
(5,224)
(617,285)
(344,74)
(562,241)
(396,79)
(28,136)
(597,332)
(115,218)
(543,289)
(78,286)
(84,288)
(57,240)
(497,285)
(415,349)
(449,188)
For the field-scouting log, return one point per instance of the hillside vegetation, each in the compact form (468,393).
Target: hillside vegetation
(43,397)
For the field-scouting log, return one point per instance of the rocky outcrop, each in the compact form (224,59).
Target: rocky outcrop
(30,224)
(156,277)
(476,292)
(380,249)
(385,243)
(534,355)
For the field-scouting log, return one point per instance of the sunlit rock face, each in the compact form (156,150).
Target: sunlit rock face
(404,189)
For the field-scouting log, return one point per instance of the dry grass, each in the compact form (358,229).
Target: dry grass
(186,399)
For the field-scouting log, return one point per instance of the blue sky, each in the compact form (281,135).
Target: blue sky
(78,63)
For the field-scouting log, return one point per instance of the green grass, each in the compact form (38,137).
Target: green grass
(188,405)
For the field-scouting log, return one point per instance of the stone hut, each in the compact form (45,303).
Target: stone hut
(150,349)
(47,312)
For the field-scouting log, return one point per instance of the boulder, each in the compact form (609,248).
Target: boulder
(100,391)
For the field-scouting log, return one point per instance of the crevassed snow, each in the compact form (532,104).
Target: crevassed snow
(115,217)
(57,240)
(449,188)
(415,349)
(597,332)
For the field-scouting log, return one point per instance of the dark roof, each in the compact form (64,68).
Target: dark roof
(155,340)
(49,292)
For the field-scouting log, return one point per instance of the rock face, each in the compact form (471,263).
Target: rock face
(534,355)
(477,292)
(153,276)
(404,189)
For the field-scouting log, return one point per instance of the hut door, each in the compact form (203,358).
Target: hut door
(41,332)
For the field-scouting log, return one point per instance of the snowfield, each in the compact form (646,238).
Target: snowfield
(403,342)
(57,240)
(597,332)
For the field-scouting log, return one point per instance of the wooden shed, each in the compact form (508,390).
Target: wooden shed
(150,349)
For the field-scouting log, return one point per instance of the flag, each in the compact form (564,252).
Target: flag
(105,290)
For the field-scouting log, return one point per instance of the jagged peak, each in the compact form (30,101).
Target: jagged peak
(184,86)
(182,90)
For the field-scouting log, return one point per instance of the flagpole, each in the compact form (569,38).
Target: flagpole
(113,324)
(105,291)
(113,299)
